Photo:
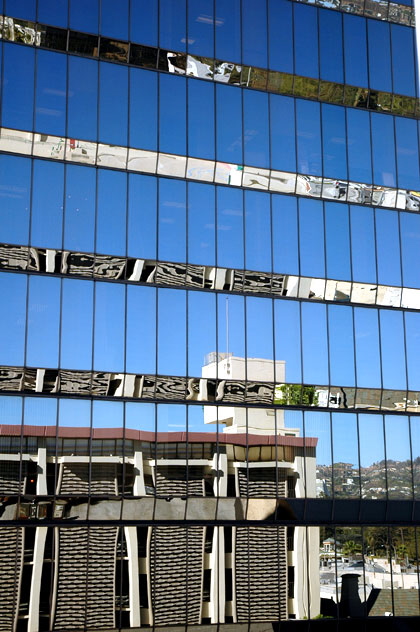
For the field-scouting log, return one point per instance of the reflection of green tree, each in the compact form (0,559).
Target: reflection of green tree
(350,548)
(296,395)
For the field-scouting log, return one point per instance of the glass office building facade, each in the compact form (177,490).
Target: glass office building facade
(210,334)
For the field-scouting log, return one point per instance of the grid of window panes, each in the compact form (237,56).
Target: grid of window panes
(209,374)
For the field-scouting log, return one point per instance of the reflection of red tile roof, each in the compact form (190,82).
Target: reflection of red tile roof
(68,432)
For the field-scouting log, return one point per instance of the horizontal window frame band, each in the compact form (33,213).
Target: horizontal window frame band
(200,277)
(153,388)
(192,169)
(349,7)
(275,82)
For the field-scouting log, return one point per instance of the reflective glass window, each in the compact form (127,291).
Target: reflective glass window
(410,248)
(201,137)
(372,452)
(201,224)
(256,145)
(143,109)
(363,244)
(388,247)
(84,16)
(109,327)
(80,204)
(172,24)
(311,238)
(398,457)
(142,216)
(285,234)
(406,142)
(107,414)
(337,235)
(314,344)
(282,133)
(114,18)
(113,104)
(74,413)
(392,349)
(368,370)
(257,231)
(47,204)
(345,453)
(359,146)
(144,22)
(331,46)
(140,416)
(383,149)
(76,324)
(229,124)
(334,141)
(201,330)
(231,339)
(254,33)
(380,77)
(40,411)
(355,50)
(141,330)
(82,117)
(341,347)
(259,337)
(412,339)
(172,114)
(50,107)
(53,12)
(402,40)
(171,332)
(318,424)
(280,35)
(43,321)
(12,325)
(111,212)
(21,9)
(288,347)
(15,182)
(201,27)
(308,136)
(228,30)
(306,40)
(18,86)
(230,228)
(172,221)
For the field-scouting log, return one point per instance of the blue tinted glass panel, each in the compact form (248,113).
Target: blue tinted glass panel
(143,109)
(114,18)
(84,16)
(172,25)
(171,332)
(259,334)
(285,234)
(15,184)
(368,368)
(282,133)
(379,55)
(50,105)
(228,30)
(407,153)
(257,231)
(53,12)
(334,141)
(229,124)
(337,235)
(172,221)
(306,41)
(403,56)
(144,22)
(355,51)
(12,324)
(79,221)
(47,204)
(201,224)
(201,329)
(314,344)
(141,329)
(82,117)
(256,145)
(280,35)
(388,247)
(410,247)
(254,33)
(201,119)
(76,324)
(358,146)
(201,28)
(109,327)
(43,321)
(113,104)
(288,348)
(331,46)
(18,87)
(412,339)
(383,149)
(363,249)
(341,347)
(230,228)
(392,349)
(172,114)
(308,137)
(311,243)
(142,220)
(21,9)
(111,213)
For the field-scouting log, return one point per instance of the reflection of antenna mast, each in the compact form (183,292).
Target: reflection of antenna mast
(227,334)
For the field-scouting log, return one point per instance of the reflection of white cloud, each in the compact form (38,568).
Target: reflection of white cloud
(176,425)
(167,220)
(174,204)
(232,211)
